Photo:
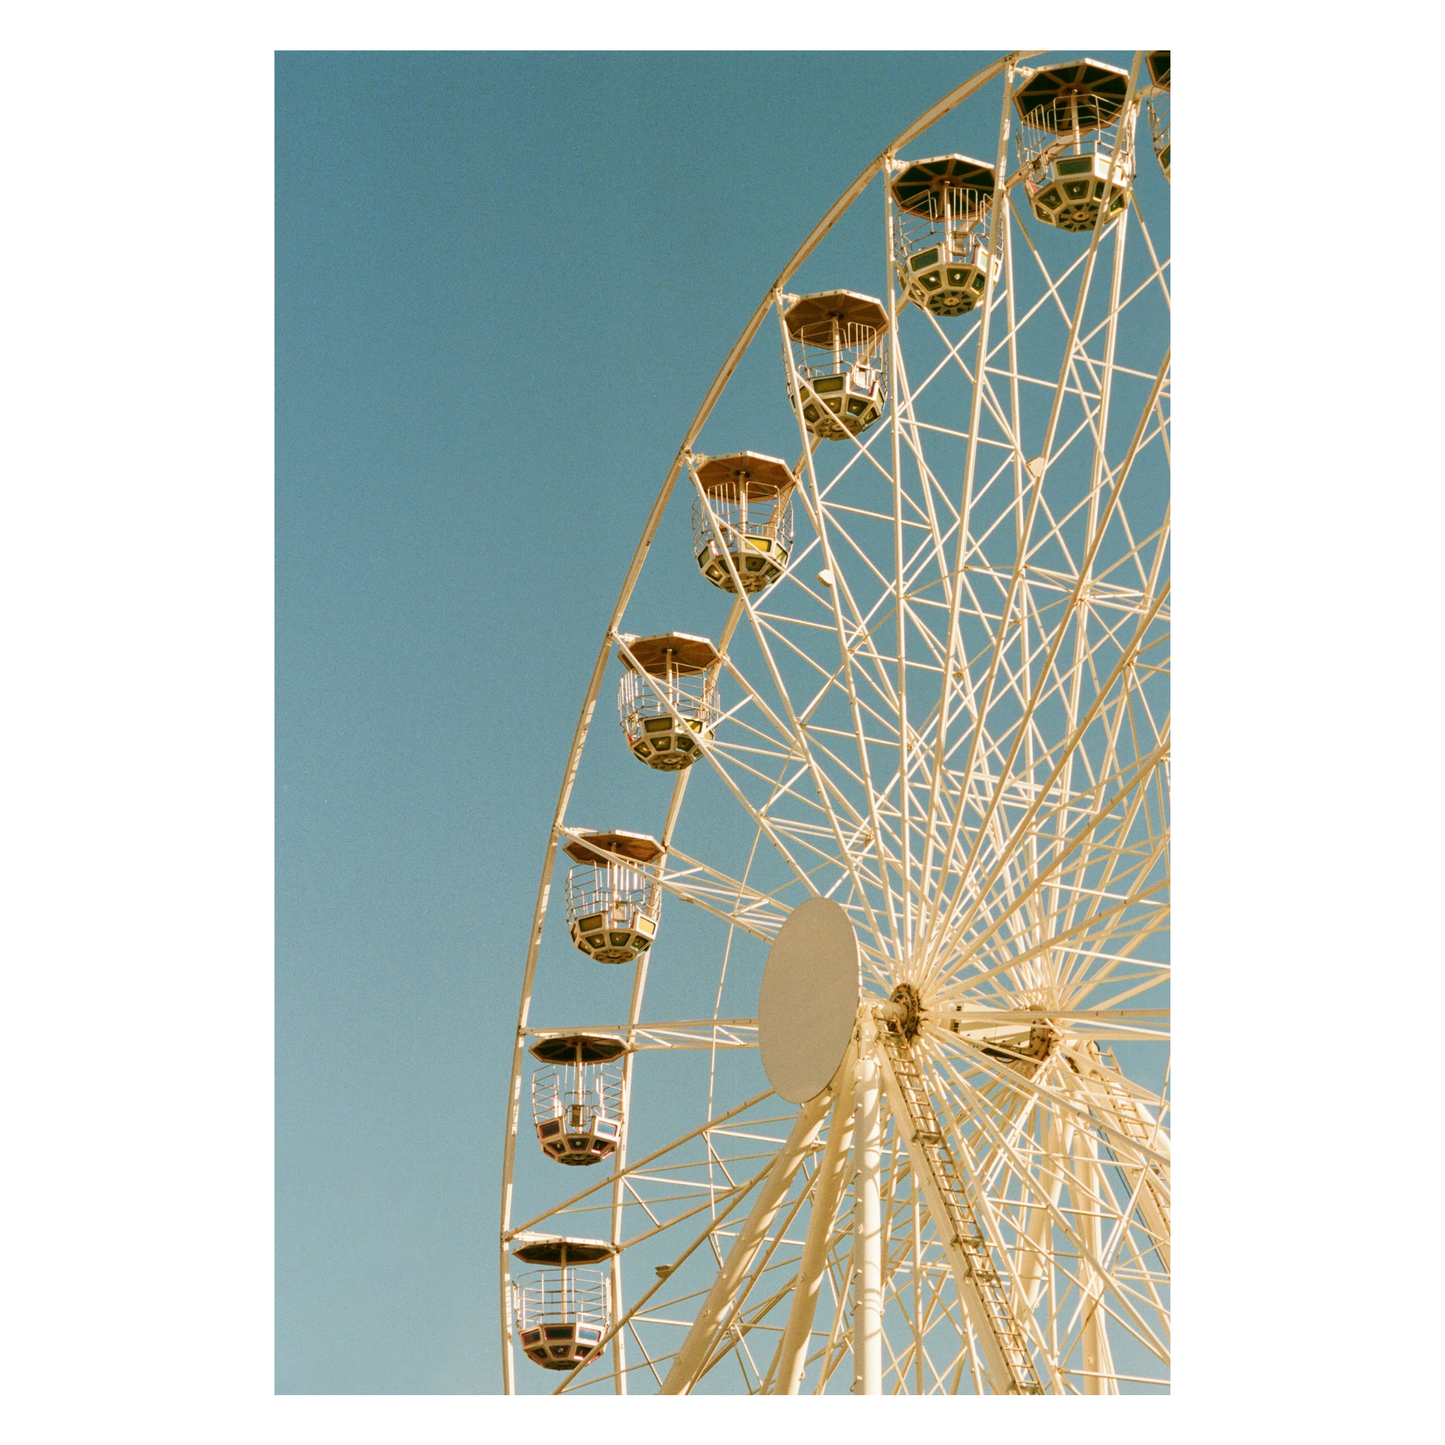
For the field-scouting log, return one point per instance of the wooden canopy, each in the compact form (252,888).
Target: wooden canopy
(637,846)
(556,1249)
(1102,86)
(578,1048)
(916,187)
(810,318)
(762,477)
(688,653)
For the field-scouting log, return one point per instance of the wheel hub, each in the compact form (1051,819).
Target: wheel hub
(910,1016)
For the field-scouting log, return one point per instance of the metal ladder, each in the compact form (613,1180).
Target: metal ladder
(968,1238)
(1109,1074)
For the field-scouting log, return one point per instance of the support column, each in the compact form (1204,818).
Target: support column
(722,1301)
(827,1190)
(868,1230)
(1086,1196)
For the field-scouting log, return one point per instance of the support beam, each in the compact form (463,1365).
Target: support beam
(867,1230)
(1112,1103)
(721,1303)
(1086,1197)
(827,1190)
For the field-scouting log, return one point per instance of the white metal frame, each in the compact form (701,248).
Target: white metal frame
(950,715)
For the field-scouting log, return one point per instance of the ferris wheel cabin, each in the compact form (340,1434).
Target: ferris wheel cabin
(942,251)
(562,1312)
(1076,149)
(1158,63)
(742,520)
(577,1097)
(613,903)
(836,340)
(667,701)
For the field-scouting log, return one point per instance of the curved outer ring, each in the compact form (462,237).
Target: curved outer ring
(934,113)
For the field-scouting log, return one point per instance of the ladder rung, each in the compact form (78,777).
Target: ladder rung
(968,1239)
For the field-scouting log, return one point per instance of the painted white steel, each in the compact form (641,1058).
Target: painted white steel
(712,1319)
(1003,1371)
(868,1227)
(827,1190)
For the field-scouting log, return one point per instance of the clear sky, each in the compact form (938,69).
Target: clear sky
(503,283)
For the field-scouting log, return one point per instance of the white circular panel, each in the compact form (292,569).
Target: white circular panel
(809,999)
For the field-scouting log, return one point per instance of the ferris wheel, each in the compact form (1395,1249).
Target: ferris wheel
(887,893)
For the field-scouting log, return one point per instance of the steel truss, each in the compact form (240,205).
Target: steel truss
(950,715)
